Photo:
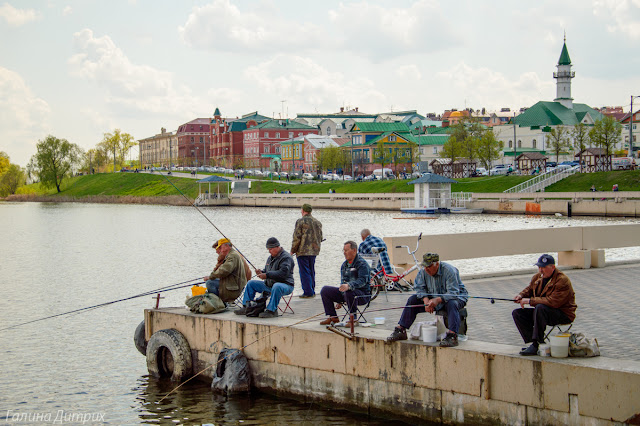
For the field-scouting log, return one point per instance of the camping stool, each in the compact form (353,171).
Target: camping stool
(360,309)
(463,319)
(559,327)
(238,302)
(287,302)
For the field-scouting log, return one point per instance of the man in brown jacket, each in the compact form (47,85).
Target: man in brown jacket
(307,237)
(552,302)
(228,278)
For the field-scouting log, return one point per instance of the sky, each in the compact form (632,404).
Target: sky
(79,69)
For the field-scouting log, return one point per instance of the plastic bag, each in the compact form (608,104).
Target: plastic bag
(582,346)
(415,332)
(207,303)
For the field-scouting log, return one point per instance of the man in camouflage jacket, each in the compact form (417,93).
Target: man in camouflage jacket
(307,238)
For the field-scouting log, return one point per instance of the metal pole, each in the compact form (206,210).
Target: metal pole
(515,150)
(631,128)
(114,158)
(169,153)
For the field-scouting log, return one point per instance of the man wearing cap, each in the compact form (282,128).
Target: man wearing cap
(551,300)
(438,286)
(307,237)
(230,273)
(354,286)
(276,279)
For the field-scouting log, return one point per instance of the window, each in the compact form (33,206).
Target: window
(534,143)
(277,135)
(266,149)
(519,144)
(290,134)
(510,144)
(201,139)
(392,138)
(266,134)
(435,149)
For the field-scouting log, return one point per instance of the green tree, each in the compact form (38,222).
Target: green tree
(382,155)
(452,149)
(489,149)
(11,180)
(413,154)
(118,144)
(4,162)
(580,135)
(558,140)
(54,160)
(606,134)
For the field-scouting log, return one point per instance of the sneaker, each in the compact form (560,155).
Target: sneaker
(241,311)
(450,340)
(398,334)
(531,350)
(307,296)
(268,314)
(329,321)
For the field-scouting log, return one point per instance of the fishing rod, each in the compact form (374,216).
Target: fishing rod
(492,299)
(208,220)
(85,309)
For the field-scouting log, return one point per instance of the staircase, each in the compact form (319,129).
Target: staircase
(241,187)
(540,182)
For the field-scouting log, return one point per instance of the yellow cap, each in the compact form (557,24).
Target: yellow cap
(220,242)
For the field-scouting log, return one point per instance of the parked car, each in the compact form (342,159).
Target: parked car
(347,177)
(481,171)
(370,177)
(500,169)
(622,163)
(307,176)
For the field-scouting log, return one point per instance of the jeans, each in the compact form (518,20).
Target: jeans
(258,286)
(352,298)
(307,268)
(213,286)
(452,307)
(532,322)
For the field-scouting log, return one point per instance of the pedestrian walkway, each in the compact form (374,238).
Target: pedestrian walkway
(605,299)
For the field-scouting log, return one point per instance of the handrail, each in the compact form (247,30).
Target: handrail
(540,182)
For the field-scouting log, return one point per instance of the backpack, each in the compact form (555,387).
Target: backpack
(255,307)
(207,303)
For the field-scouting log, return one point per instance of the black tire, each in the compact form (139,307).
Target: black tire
(138,339)
(169,355)
(375,291)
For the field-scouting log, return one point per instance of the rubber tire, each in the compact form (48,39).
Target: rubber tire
(169,355)
(375,291)
(138,339)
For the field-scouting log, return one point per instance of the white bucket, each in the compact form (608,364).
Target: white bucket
(379,320)
(429,333)
(560,345)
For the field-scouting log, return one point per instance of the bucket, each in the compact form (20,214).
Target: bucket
(560,345)
(196,290)
(429,333)
(379,320)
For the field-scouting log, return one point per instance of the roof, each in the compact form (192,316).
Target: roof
(380,127)
(597,152)
(216,112)
(283,124)
(432,139)
(545,113)
(508,152)
(404,135)
(532,156)
(213,178)
(324,142)
(432,178)
(564,56)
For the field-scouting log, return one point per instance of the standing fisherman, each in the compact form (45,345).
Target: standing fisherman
(307,237)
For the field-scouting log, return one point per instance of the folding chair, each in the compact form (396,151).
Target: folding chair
(360,309)
(287,301)
(559,327)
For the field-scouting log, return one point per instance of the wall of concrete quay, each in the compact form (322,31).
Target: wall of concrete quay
(389,201)
(478,382)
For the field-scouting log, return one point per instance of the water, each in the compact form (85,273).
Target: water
(61,257)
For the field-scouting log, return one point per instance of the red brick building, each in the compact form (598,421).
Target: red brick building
(194,143)
(227,149)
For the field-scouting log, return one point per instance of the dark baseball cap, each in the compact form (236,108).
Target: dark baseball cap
(545,260)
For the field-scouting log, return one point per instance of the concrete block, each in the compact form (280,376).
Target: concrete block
(466,409)
(404,400)
(340,388)
(306,348)
(597,259)
(575,258)
(458,370)
(516,380)
(278,378)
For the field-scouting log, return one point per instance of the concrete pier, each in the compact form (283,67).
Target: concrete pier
(482,381)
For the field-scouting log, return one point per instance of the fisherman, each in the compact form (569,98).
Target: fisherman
(438,286)
(551,300)
(354,288)
(276,279)
(230,274)
(366,246)
(307,237)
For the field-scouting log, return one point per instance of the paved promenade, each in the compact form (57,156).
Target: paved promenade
(607,309)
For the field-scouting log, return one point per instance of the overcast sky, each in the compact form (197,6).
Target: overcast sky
(78,69)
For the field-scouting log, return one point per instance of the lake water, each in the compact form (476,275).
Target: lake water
(60,257)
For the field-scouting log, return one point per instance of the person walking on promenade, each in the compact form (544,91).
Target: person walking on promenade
(230,275)
(354,286)
(276,279)
(307,237)
(438,286)
(551,300)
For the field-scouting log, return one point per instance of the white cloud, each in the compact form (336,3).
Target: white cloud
(623,16)
(222,26)
(24,117)
(17,17)
(409,72)
(304,83)
(130,86)
(67,11)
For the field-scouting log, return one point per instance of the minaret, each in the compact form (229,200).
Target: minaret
(563,78)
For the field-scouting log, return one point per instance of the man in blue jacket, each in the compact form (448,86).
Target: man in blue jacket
(438,287)
(278,280)
(354,286)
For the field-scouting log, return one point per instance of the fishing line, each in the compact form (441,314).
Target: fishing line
(208,220)
(492,299)
(88,308)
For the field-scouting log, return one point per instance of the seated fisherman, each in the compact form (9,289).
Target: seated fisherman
(438,287)
(278,280)
(366,246)
(552,302)
(230,274)
(354,286)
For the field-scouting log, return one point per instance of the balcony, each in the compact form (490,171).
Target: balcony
(564,74)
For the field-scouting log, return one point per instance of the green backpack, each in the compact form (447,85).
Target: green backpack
(207,303)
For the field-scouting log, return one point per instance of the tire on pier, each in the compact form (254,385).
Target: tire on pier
(138,339)
(169,355)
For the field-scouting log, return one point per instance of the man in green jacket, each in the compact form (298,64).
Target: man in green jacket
(307,237)
(228,278)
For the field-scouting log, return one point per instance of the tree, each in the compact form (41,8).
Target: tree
(580,135)
(452,149)
(606,134)
(489,149)
(4,162)
(117,143)
(558,140)
(413,154)
(11,180)
(382,155)
(54,160)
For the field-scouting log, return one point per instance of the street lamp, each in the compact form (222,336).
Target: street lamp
(631,126)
